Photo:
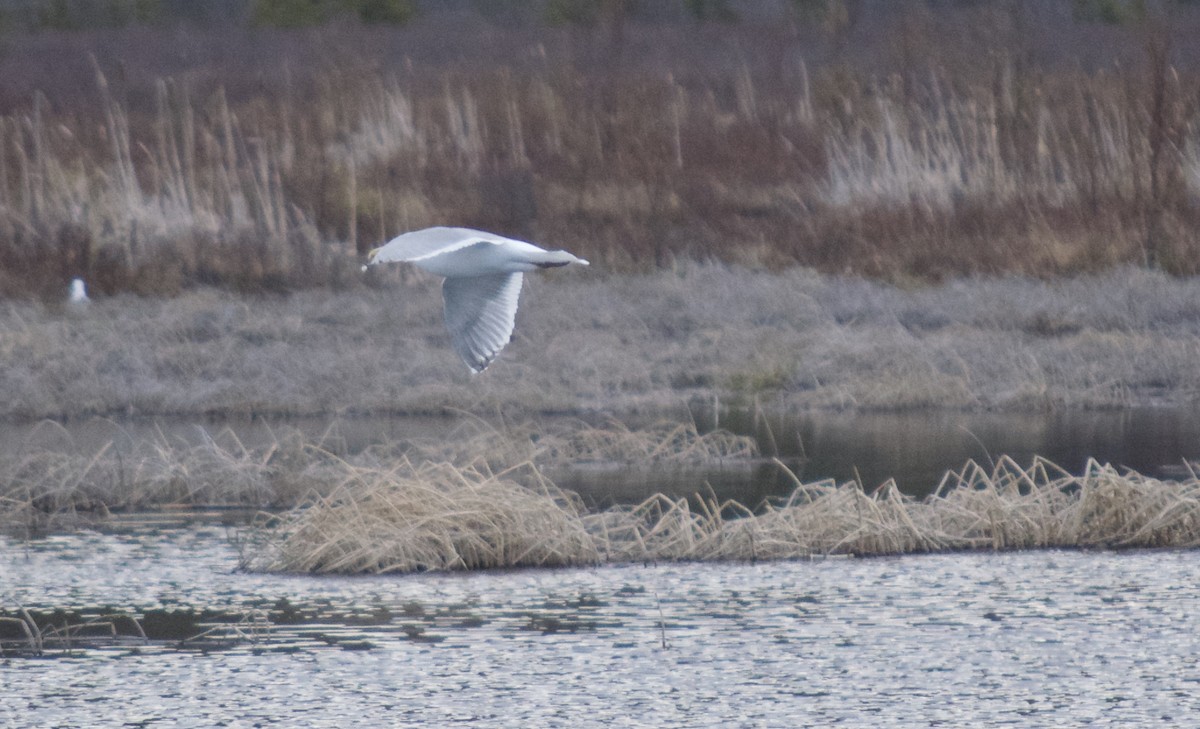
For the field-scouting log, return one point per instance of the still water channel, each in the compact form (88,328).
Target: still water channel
(1021,639)
(915,448)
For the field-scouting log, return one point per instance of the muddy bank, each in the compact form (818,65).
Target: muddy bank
(589,342)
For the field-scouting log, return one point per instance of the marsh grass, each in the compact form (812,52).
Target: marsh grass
(413,520)
(56,487)
(617,344)
(490,501)
(613,443)
(431,516)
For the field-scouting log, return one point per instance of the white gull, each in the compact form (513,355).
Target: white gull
(483,274)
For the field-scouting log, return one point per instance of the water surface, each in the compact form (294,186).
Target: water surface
(1021,639)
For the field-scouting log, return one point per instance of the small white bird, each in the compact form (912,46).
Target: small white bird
(483,282)
(78,292)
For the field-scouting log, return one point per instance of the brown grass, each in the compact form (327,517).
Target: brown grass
(914,144)
(478,443)
(55,488)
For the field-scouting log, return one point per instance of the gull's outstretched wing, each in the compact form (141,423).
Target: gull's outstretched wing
(424,244)
(480,314)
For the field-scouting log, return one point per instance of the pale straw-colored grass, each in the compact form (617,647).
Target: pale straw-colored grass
(59,487)
(448,518)
(55,488)
(428,516)
(485,498)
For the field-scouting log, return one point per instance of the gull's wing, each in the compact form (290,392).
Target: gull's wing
(480,314)
(422,244)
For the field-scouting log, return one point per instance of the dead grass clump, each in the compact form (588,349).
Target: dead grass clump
(1043,506)
(403,509)
(663,443)
(52,487)
(413,518)
(441,517)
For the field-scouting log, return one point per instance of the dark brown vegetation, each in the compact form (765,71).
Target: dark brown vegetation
(899,139)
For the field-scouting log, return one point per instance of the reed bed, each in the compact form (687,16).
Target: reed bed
(899,147)
(56,487)
(409,521)
(408,507)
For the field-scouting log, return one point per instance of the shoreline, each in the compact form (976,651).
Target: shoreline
(617,344)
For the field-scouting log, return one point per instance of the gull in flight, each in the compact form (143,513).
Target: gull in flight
(483,282)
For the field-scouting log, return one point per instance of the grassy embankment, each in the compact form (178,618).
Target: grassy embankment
(601,343)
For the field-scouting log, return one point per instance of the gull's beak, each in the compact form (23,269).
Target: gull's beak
(371,257)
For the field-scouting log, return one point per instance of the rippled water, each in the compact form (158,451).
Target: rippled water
(1022,639)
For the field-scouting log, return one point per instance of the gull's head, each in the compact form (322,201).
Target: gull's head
(371,254)
(554,259)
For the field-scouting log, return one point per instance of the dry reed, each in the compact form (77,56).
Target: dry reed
(53,487)
(430,516)
(414,521)
(477,442)
(944,158)
(411,507)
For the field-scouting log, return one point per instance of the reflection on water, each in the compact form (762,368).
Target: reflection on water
(916,448)
(1017,639)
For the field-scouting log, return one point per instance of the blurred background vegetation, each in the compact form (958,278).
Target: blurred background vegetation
(155,145)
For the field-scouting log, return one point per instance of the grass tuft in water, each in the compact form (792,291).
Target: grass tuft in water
(429,516)
(482,498)
(380,525)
